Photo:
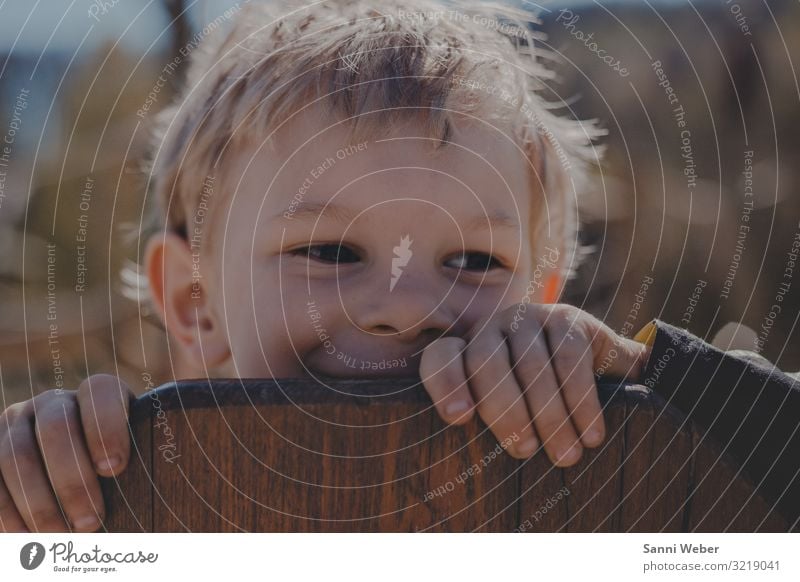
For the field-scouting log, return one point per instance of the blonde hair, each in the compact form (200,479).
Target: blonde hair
(378,63)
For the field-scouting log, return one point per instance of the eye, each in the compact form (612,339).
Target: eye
(476,261)
(327,253)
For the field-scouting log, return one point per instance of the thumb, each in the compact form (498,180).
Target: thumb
(617,356)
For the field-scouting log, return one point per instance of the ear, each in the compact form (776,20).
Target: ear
(553,287)
(547,273)
(183,301)
(552,214)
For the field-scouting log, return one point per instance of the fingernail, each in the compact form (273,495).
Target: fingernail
(86,522)
(108,464)
(593,435)
(528,447)
(456,407)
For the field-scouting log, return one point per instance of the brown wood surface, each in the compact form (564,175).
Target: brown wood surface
(366,455)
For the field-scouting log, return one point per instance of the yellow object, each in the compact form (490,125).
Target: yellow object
(646,335)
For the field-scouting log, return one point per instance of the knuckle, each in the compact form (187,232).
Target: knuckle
(9,414)
(562,308)
(570,352)
(566,310)
(567,372)
(532,363)
(56,421)
(481,359)
(584,400)
(550,426)
(47,520)
(493,368)
(102,444)
(17,448)
(523,315)
(48,429)
(533,334)
(54,394)
(430,354)
(102,383)
(73,494)
(530,378)
(92,385)
(444,362)
(569,357)
(449,344)
(519,309)
(497,424)
(453,383)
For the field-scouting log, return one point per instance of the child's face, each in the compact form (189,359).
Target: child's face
(282,314)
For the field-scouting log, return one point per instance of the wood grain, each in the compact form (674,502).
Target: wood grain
(367,456)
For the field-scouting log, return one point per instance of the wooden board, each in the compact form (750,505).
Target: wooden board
(366,455)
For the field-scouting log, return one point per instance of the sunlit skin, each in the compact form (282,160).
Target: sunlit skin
(393,188)
(450,315)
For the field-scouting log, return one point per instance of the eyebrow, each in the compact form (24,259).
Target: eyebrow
(305,211)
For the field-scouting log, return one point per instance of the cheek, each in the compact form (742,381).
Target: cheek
(245,309)
(239,318)
(258,338)
(285,322)
(495,299)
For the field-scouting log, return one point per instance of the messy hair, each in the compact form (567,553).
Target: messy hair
(374,63)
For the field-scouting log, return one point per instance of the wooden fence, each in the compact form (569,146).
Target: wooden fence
(296,455)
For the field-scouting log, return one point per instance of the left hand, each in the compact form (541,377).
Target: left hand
(530,373)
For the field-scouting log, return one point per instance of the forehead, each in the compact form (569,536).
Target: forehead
(312,162)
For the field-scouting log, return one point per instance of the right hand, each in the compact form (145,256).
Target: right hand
(53,447)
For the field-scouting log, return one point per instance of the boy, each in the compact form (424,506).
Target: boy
(323,182)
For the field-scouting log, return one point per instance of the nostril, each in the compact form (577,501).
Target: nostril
(385,330)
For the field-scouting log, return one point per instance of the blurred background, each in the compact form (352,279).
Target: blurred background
(693,219)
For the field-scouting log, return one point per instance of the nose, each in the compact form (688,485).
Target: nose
(413,311)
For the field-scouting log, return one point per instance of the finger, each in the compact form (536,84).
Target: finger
(442,372)
(614,355)
(499,398)
(10,519)
(69,467)
(104,402)
(572,361)
(25,477)
(535,374)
